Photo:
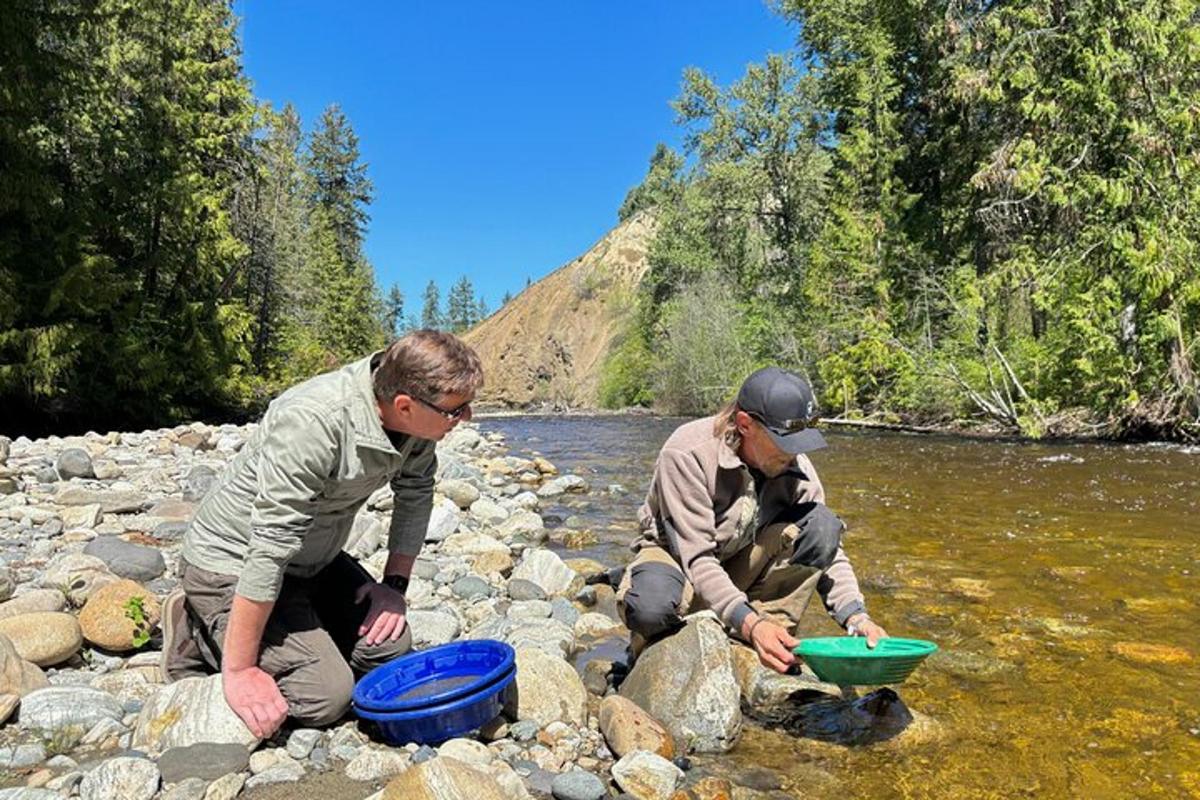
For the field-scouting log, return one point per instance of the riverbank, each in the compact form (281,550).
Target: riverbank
(88,523)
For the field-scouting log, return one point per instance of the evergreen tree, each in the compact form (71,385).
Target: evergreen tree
(394,311)
(431,309)
(339,181)
(461,311)
(481,310)
(506,299)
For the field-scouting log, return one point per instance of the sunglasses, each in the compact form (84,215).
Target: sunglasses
(452,415)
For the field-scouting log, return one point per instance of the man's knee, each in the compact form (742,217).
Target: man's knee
(819,535)
(367,657)
(651,605)
(319,694)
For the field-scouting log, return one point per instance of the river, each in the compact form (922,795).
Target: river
(1059,580)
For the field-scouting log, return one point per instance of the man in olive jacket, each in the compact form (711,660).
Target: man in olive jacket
(267,596)
(735,520)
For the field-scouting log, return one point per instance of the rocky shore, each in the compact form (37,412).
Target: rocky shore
(90,530)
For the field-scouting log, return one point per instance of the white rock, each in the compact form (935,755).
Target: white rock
(472,544)
(122,778)
(430,628)
(488,511)
(374,765)
(443,521)
(190,711)
(547,570)
(548,690)
(646,775)
(468,751)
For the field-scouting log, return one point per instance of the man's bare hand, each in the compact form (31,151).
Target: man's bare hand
(862,625)
(772,642)
(255,697)
(386,617)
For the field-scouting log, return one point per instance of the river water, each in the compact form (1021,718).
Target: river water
(1060,582)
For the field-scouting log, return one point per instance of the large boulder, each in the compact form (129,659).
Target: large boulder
(45,637)
(444,778)
(686,681)
(548,690)
(189,712)
(120,616)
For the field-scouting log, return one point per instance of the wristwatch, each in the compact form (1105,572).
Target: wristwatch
(397,582)
(852,628)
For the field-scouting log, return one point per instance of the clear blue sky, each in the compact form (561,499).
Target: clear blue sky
(501,137)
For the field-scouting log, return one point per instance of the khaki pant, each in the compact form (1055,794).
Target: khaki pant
(654,595)
(310,645)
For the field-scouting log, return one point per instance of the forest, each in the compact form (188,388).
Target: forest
(172,248)
(944,213)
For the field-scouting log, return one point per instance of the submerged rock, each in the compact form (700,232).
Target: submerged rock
(870,719)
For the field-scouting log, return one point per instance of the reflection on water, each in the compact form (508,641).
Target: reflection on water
(1059,580)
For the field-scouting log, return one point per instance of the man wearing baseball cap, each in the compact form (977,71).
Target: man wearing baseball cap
(735,520)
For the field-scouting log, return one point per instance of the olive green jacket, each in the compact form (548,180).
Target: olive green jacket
(286,503)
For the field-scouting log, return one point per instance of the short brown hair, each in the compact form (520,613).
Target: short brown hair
(427,364)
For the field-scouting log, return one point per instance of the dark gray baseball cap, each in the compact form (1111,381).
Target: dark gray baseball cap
(784,403)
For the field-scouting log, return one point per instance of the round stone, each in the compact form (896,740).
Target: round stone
(577,785)
(74,462)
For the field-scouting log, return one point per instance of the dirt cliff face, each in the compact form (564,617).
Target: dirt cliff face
(546,346)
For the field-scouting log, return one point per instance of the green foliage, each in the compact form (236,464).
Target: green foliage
(168,248)
(626,373)
(431,310)
(946,210)
(135,610)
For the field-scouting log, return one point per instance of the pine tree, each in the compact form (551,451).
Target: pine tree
(340,184)
(461,312)
(431,309)
(394,309)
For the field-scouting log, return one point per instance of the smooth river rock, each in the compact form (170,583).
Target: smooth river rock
(626,727)
(444,778)
(77,575)
(133,561)
(548,690)
(686,681)
(122,778)
(17,675)
(188,712)
(33,601)
(647,776)
(46,637)
(74,462)
(110,619)
(59,708)
(547,571)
